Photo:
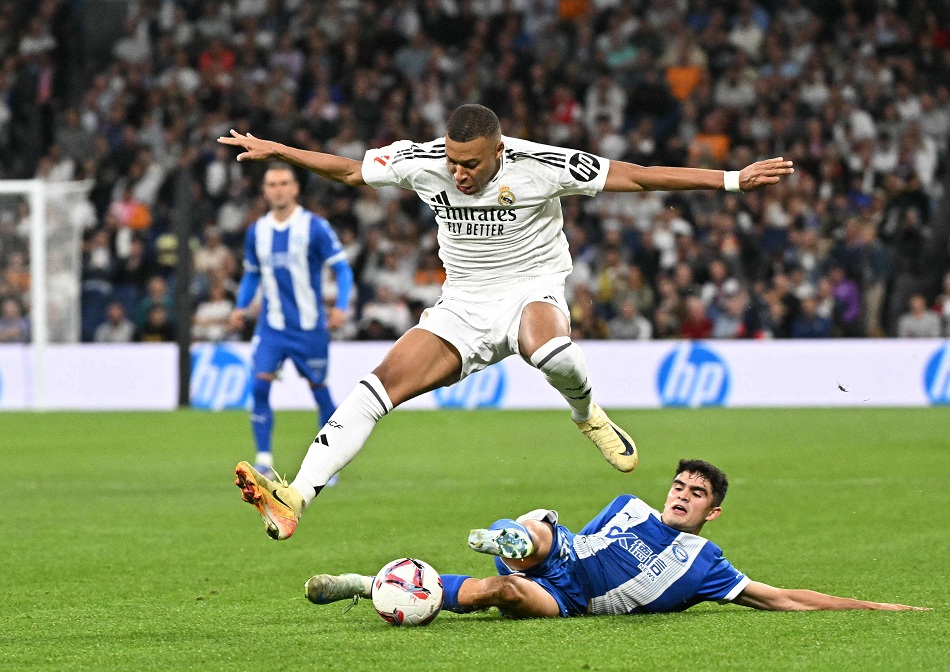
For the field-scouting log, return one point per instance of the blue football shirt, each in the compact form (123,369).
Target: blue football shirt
(290,256)
(629,562)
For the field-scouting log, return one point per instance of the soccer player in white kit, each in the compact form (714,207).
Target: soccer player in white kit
(506,259)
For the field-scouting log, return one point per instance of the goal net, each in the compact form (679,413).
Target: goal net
(41,226)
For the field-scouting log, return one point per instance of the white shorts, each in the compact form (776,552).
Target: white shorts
(483,327)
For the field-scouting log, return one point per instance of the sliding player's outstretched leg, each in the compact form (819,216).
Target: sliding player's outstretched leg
(327,588)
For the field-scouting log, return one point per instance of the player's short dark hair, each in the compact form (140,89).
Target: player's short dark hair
(714,476)
(469,122)
(280,165)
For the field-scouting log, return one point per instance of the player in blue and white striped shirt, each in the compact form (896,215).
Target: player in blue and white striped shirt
(284,254)
(630,559)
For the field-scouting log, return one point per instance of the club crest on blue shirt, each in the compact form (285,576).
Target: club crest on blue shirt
(679,552)
(506,196)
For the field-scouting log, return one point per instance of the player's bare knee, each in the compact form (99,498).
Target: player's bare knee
(542,534)
(509,592)
(540,322)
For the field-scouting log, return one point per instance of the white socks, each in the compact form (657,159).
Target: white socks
(562,363)
(343,436)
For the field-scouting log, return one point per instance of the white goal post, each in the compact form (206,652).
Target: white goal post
(55,214)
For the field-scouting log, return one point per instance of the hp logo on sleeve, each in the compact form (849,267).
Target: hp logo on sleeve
(583,167)
(220,378)
(482,389)
(692,376)
(937,377)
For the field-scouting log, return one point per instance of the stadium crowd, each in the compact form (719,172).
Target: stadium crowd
(856,92)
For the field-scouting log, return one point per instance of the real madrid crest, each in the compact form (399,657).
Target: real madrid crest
(506,196)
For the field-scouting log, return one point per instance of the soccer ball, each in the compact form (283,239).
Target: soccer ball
(407,592)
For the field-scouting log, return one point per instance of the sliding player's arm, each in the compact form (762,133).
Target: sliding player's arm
(763,596)
(336,168)
(625,176)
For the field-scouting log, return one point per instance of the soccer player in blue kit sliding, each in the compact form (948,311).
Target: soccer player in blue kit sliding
(501,240)
(630,559)
(284,254)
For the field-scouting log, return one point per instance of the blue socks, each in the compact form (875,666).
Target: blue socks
(262,417)
(321,394)
(507,524)
(450,596)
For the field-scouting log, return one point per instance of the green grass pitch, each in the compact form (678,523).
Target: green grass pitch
(124,544)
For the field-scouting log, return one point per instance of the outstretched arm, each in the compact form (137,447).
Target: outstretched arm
(336,168)
(763,596)
(631,177)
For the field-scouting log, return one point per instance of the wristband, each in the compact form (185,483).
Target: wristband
(730,180)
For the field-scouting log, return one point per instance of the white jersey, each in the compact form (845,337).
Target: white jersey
(513,227)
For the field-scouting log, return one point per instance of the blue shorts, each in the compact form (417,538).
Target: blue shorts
(556,574)
(308,350)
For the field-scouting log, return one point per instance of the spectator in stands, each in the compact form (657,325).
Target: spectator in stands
(730,321)
(211,319)
(157,328)
(213,259)
(808,323)
(613,274)
(157,295)
(14,328)
(132,274)
(388,310)
(629,324)
(942,305)
(782,306)
(696,324)
(394,277)
(586,322)
(859,102)
(665,324)
(117,328)
(877,270)
(919,322)
(99,266)
(15,280)
(847,297)
(427,283)
(131,212)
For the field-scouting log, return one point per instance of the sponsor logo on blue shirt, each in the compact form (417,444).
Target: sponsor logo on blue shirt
(220,378)
(937,376)
(482,389)
(693,375)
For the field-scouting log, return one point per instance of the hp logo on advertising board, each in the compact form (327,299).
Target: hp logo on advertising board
(220,378)
(693,375)
(482,389)
(937,376)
